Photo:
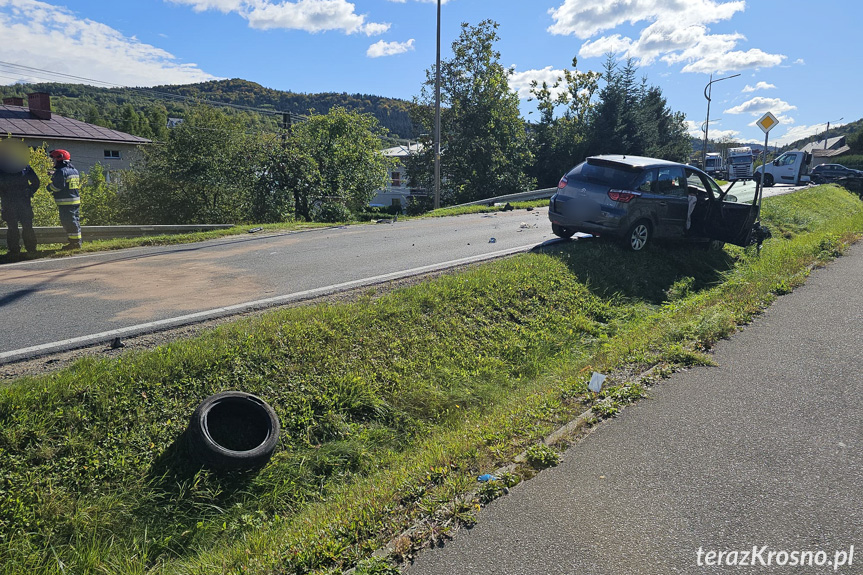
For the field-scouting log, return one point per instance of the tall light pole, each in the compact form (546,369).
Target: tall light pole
(437,116)
(708,91)
(828,129)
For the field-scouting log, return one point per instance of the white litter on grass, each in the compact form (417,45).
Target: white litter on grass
(596,381)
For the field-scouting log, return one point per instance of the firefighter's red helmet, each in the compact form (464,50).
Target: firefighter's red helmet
(60,155)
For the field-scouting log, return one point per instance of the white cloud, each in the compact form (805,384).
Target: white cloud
(306,15)
(694,130)
(795,133)
(54,38)
(614,44)
(382,48)
(800,62)
(520,81)
(758,106)
(736,60)
(586,18)
(758,86)
(677,32)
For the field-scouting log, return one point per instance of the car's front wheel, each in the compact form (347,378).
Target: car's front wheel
(639,236)
(561,231)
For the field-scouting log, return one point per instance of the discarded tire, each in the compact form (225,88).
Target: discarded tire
(233,430)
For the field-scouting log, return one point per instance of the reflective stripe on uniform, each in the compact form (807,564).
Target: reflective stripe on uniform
(74,202)
(75,236)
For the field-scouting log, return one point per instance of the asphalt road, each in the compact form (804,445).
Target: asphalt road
(65,301)
(764,450)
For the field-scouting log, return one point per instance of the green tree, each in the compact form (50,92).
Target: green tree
(484,141)
(45,211)
(203,172)
(157,118)
(100,205)
(134,123)
(345,147)
(560,139)
(634,118)
(288,180)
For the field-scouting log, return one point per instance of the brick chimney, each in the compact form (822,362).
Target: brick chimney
(40,105)
(13,101)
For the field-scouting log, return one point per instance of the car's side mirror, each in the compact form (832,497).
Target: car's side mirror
(730,198)
(775,162)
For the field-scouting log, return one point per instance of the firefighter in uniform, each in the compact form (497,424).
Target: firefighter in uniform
(66,187)
(18,184)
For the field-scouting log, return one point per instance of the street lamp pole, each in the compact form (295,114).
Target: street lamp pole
(828,129)
(708,92)
(437,116)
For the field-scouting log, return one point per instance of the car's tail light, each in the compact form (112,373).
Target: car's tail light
(562,183)
(622,195)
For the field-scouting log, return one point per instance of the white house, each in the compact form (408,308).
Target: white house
(397,192)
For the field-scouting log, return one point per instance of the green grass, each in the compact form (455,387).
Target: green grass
(390,406)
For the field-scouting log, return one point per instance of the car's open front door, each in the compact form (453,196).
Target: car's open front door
(730,217)
(732,222)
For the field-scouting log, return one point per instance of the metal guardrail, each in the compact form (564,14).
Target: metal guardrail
(543,194)
(57,235)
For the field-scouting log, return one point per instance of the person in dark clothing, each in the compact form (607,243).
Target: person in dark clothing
(66,187)
(18,184)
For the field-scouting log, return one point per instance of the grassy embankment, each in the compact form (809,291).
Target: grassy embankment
(390,406)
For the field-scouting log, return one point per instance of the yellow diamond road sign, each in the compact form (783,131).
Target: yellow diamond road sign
(767,122)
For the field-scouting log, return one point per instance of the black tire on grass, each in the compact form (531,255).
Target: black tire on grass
(233,430)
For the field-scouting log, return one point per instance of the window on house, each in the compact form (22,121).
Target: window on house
(112,154)
(397,179)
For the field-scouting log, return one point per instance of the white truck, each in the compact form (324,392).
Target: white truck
(738,162)
(713,164)
(789,168)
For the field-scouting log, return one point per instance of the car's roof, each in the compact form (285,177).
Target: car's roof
(631,162)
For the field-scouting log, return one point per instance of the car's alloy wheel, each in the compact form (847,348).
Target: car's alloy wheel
(639,236)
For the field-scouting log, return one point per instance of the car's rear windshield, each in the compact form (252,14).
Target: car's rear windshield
(604,174)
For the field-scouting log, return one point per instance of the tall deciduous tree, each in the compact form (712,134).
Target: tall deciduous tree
(345,147)
(560,139)
(202,173)
(484,142)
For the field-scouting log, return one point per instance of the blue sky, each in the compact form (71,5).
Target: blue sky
(797,59)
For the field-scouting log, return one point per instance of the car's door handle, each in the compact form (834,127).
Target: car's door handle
(663,203)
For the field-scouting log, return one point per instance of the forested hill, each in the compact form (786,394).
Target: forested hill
(111,106)
(851,131)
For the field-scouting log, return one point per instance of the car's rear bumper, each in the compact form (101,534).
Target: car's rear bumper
(566,212)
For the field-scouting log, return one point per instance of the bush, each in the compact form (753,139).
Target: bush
(330,212)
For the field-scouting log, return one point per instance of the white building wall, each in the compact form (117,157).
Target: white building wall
(86,154)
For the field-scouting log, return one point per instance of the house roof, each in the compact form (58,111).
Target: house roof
(829,153)
(832,143)
(402,151)
(18,122)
